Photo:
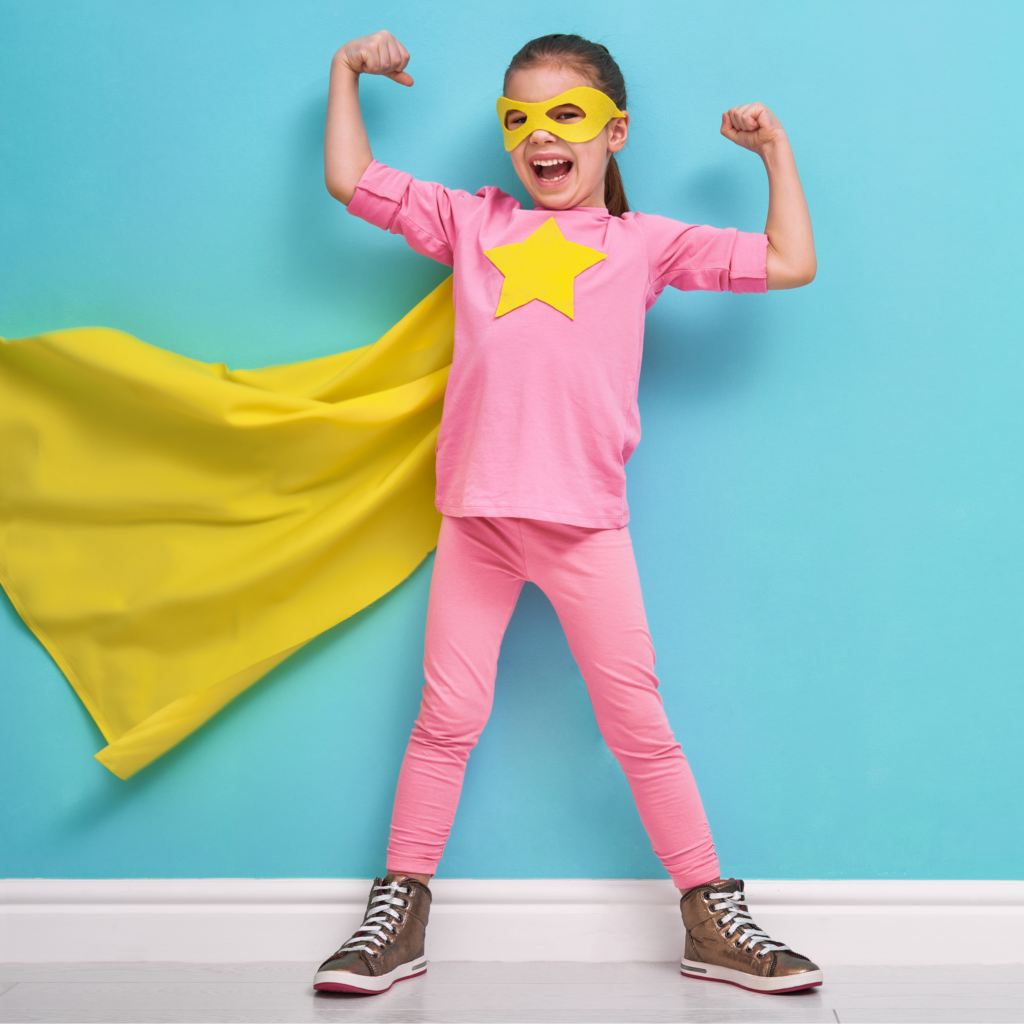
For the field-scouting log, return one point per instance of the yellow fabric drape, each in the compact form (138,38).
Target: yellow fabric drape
(171,530)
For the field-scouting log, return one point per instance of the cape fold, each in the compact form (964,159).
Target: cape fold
(171,530)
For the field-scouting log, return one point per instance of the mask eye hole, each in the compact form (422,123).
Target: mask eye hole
(514,119)
(567,113)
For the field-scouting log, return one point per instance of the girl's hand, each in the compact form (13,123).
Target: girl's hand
(377,54)
(752,126)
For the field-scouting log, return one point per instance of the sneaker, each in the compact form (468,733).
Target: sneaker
(387,947)
(724,944)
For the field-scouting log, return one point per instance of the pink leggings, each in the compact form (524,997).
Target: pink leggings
(590,577)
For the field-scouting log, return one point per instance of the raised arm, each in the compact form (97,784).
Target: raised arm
(346,147)
(791,259)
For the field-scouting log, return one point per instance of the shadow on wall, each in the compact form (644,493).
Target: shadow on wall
(698,352)
(113,796)
(701,344)
(332,259)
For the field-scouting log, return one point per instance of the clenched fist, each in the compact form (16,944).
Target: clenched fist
(752,126)
(377,54)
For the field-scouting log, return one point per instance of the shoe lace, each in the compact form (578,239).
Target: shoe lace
(732,906)
(378,924)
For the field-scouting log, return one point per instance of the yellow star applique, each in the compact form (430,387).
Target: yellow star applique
(543,267)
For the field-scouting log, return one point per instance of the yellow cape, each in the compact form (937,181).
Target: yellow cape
(171,530)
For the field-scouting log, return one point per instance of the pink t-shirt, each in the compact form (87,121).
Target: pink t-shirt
(540,413)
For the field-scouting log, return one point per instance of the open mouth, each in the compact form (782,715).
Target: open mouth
(551,171)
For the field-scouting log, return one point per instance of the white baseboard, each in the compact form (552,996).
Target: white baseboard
(244,920)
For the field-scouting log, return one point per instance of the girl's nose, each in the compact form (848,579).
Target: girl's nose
(542,135)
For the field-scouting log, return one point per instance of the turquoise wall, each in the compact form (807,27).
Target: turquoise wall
(827,501)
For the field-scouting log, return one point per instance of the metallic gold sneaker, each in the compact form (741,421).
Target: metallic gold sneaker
(387,946)
(724,944)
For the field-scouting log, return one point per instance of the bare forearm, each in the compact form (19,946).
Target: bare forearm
(791,258)
(346,146)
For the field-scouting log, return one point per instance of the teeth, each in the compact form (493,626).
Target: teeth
(548,163)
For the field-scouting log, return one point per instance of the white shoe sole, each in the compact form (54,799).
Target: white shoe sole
(343,981)
(787,983)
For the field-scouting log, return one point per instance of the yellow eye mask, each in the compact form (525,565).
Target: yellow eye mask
(598,110)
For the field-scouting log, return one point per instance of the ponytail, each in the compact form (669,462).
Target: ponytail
(593,61)
(614,192)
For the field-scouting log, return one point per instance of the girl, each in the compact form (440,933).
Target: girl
(540,417)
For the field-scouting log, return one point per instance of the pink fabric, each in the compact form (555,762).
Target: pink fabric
(590,577)
(540,413)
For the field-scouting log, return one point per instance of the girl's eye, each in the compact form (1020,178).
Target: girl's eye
(568,115)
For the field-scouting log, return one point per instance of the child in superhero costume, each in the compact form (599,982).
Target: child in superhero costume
(540,418)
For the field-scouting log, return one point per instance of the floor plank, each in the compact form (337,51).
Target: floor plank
(929,1015)
(406,1015)
(499,993)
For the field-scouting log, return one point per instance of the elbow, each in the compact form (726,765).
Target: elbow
(780,277)
(339,191)
(805,275)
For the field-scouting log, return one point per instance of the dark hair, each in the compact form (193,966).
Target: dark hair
(593,61)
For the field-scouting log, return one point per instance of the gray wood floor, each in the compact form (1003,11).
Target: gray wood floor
(499,993)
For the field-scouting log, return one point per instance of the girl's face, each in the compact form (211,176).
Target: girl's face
(558,174)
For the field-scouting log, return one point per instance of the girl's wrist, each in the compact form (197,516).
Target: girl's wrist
(340,64)
(775,151)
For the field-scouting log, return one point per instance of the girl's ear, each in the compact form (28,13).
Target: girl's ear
(618,133)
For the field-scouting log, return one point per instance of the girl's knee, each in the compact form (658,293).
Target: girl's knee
(453,734)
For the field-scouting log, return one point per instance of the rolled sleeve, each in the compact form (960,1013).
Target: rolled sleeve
(694,257)
(748,268)
(378,195)
(421,211)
